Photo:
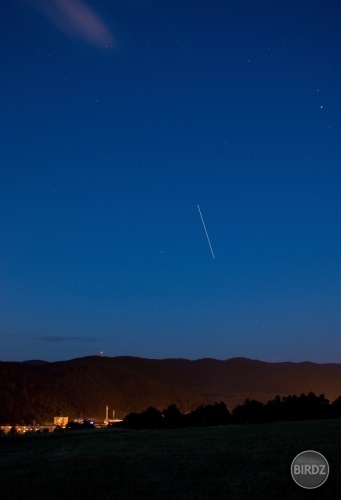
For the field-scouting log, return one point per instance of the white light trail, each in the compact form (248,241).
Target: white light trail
(208,239)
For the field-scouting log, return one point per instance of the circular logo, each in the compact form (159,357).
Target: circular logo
(309,469)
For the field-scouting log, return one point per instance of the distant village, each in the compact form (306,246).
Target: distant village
(62,422)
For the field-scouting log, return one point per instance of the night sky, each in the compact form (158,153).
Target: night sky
(119,118)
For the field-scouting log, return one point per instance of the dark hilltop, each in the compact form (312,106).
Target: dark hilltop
(39,390)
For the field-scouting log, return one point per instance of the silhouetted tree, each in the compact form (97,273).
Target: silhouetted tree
(148,419)
(132,420)
(152,418)
(222,414)
(290,407)
(172,417)
(305,407)
(314,407)
(196,417)
(251,412)
(216,414)
(274,409)
(336,408)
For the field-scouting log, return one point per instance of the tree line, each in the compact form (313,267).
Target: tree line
(292,407)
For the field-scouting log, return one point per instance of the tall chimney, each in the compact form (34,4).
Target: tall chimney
(106,413)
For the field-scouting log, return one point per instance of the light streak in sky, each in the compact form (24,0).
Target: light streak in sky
(208,239)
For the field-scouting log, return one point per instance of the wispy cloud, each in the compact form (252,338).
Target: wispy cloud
(77,20)
(54,338)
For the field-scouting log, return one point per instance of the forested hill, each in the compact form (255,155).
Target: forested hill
(37,390)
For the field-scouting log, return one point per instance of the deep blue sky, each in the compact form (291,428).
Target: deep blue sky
(117,119)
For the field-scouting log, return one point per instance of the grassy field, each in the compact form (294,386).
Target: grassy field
(232,462)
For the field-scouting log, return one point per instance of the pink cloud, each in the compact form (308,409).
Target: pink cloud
(78,20)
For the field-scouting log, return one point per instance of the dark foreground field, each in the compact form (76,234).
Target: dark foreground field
(233,462)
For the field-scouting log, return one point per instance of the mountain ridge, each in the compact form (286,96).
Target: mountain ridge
(38,390)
